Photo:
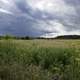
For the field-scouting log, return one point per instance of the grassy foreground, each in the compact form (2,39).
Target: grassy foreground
(39,59)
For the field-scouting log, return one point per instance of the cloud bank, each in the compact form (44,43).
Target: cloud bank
(47,18)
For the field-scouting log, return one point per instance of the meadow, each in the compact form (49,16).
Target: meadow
(39,59)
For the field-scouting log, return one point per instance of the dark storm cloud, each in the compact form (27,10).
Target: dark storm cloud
(39,17)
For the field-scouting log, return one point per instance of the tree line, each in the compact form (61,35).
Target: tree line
(6,37)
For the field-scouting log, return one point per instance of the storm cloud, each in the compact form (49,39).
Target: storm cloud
(47,18)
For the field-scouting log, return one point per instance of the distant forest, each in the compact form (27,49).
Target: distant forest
(28,37)
(68,37)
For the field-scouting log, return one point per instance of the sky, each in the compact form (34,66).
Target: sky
(45,18)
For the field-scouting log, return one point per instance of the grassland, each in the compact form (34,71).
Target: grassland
(39,59)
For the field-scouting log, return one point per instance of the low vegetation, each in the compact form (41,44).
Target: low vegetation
(39,59)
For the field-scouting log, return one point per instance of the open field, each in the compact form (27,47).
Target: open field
(39,59)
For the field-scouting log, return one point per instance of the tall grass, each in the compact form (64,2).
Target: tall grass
(39,60)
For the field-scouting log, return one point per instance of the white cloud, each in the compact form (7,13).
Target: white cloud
(65,18)
(5,1)
(50,26)
(9,7)
(59,27)
(53,28)
(52,6)
(5,11)
(48,17)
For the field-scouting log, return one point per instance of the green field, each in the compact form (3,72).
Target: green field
(39,59)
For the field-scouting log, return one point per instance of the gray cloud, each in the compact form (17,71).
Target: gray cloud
(45,18)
